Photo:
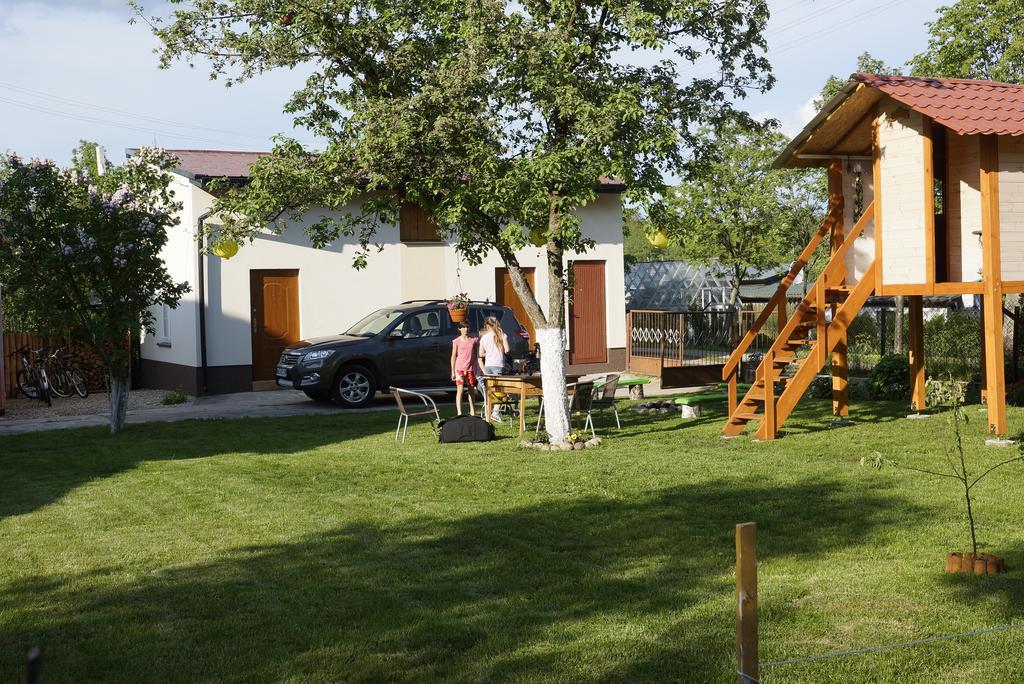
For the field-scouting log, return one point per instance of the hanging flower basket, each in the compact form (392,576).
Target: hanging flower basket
(458,307)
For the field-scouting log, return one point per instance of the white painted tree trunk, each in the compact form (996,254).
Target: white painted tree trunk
(552,372)
(120,383)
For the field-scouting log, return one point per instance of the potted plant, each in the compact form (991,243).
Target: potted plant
(958,469)
(458,307)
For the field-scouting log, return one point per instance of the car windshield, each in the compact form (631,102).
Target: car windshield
(374,323)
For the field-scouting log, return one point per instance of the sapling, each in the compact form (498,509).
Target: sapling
(956,461)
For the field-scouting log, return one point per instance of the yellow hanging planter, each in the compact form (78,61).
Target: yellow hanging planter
(537,238)
(225,248)
(658,239)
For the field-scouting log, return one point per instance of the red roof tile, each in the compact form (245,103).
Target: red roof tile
(963,105)
(221,163)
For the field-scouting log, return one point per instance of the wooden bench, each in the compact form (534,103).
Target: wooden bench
(689,406)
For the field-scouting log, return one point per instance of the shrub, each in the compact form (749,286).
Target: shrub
(890,379)
(177,396)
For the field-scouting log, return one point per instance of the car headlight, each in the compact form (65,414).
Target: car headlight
(316,357)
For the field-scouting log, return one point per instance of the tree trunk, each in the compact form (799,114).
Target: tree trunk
(120,383)
(550,331)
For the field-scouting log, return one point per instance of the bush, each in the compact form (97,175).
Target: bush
(177,396)
(945,392)
(890,379)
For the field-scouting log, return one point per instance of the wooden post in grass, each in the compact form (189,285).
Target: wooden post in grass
(746,603)
(33,665)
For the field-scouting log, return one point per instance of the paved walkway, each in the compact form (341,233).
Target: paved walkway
(274,404)
(241,405)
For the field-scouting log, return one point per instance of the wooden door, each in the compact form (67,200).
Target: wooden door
(275,317)
(506,296)
(587,338)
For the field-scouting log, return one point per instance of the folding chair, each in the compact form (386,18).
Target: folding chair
(581,394)
(428,407)
(606,398)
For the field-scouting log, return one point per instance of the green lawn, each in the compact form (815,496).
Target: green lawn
(316,549)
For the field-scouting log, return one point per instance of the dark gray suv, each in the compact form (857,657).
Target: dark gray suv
(408,345)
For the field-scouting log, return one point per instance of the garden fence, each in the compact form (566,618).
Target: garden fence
(85,358)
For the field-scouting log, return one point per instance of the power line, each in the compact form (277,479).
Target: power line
(110,110)
(113,124)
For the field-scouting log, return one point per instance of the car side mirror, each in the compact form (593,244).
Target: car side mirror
(395,335)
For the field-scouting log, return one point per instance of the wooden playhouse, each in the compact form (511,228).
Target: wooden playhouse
(926,197)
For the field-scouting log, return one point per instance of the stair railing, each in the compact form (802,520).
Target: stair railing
(834,273)
(730,370)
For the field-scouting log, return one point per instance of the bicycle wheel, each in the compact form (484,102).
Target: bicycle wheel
(26,386)
(77,378)
(60,384)
(44,386)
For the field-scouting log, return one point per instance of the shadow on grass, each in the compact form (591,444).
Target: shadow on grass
(39,468)
(577,590)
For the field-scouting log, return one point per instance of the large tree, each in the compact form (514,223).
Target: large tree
(737,215)
(498,117)
(975,39)
(80,252)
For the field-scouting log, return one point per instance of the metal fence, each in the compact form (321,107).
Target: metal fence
(952,338)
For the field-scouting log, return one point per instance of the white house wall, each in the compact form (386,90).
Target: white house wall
(862,253)
(179,255)
(901,140)
(964,211)
(1011,208)
(333,294)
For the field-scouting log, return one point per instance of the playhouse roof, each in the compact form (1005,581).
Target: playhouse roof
(207,164)
(965,106)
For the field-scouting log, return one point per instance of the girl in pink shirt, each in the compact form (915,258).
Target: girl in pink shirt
(463,360)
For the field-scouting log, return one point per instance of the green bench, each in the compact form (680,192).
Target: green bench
(634,385)
(689,405)
(740,386)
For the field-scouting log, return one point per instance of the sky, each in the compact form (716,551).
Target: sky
(74,69)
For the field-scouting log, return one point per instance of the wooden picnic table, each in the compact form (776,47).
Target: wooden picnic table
(523,385)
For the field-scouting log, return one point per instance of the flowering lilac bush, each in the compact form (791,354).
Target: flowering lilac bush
(80,252)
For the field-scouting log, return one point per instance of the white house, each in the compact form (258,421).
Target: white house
(214,335)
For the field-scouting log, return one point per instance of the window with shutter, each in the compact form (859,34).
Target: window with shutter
(415,225)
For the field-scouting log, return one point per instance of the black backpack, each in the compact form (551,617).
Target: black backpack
(466,429)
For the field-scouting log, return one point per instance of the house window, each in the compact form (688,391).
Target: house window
(416,225)
(163,334)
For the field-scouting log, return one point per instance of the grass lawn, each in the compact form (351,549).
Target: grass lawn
(318,549)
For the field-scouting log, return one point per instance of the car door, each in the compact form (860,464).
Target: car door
(416,353)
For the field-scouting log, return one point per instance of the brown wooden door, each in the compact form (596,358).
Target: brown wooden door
(506,296)
(587,339)
(275,317)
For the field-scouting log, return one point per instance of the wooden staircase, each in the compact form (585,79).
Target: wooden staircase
(805,341)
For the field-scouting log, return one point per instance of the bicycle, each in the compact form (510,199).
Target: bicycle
(64,377)
(31,378)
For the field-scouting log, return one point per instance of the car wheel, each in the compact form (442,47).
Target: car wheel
(317,395)
(354,387)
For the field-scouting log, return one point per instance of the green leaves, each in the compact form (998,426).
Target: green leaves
(81,252)
(735,212)
(498,117)
(975,39)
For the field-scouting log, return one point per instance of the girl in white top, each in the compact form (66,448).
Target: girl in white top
(493,347)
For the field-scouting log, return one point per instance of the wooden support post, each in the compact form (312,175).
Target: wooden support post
(732,391)
(917,391)
(821,327)
(840,375)
(769,427)
(992,275)
(746,603)
(835,203)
